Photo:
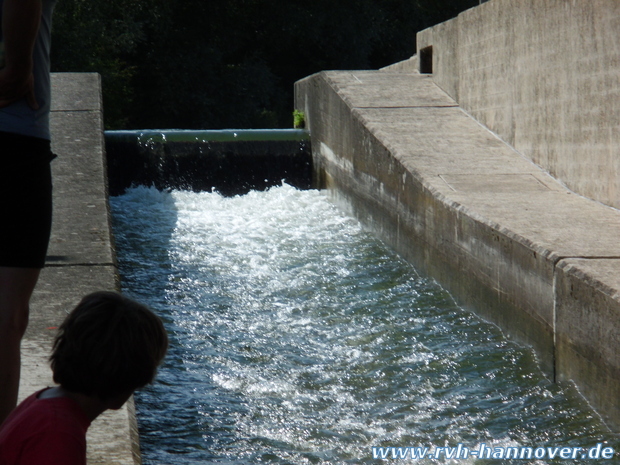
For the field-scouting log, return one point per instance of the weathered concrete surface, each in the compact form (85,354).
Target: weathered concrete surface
(411,65)
(81,256)
(504,237)
(545,76)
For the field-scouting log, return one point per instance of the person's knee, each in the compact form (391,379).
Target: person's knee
(16,287)
(14,322)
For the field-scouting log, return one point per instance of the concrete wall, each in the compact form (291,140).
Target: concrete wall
(81,257)
(505,238)
(545,76)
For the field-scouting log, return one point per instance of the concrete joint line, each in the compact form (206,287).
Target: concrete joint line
(67,265)
(396,107)
(592,257)
(556,261)
(77,111)
(554,355)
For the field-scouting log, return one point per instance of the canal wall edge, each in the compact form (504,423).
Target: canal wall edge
(504,237)
(81,257)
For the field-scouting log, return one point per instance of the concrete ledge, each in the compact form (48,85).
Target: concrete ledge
(81,257)
(505,238)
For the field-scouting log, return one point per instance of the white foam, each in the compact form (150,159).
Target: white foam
(304,335)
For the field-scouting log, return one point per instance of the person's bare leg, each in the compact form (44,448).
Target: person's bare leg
(16,287)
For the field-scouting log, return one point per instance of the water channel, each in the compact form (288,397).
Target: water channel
(299,338)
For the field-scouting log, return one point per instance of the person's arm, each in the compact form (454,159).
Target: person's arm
(20,26)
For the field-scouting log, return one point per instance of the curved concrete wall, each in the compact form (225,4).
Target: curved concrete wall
(545,76)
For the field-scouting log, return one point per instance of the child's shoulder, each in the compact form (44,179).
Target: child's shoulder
(43,424)
(23,410)
(38,416)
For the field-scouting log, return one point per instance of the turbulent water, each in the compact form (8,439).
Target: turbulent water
(298,338)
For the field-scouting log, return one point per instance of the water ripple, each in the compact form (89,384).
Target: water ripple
(298,338)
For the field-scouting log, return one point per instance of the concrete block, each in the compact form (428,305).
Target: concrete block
(587,312)
(76,92)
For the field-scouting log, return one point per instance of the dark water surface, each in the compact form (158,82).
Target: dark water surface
(298,338)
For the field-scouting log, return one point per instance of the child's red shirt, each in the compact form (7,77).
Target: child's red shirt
(44,432)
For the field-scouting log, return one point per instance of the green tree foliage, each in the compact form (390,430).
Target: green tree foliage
(103,37)
(228,64)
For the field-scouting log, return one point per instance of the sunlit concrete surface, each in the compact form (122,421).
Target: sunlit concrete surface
(81,256)
(545,76)
(502,235)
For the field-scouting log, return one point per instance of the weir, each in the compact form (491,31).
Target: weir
(232,162)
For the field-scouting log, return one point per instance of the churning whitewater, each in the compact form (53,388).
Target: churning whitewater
(299,338)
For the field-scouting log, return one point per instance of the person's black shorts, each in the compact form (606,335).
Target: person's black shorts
(25,200)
